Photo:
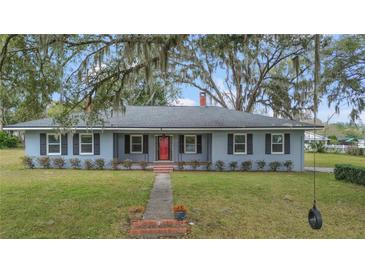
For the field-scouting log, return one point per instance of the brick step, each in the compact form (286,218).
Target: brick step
(159,232)
(158,223)
(163,169)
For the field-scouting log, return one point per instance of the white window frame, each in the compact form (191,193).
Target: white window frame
(92,144)
(272,143)
(234,143)
(54,153)
(195,144)
(131,144)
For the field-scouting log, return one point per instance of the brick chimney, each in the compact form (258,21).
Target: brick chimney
(203,99)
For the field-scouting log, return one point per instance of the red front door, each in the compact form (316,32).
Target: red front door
(164,148)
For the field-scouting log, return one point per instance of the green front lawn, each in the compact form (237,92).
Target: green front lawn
(67,203)
(330,159)
(268,205)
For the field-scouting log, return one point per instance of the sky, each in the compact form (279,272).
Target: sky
(190,97)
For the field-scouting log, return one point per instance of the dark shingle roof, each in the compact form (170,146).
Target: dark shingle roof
(180,117)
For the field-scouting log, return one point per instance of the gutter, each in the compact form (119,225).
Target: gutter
(165,129)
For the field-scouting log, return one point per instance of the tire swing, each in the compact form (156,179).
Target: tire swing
(314,216)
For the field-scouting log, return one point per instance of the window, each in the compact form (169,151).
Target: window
(86,144)
(136,143)
(53,144)
(190,143)
(239,144)
(277,143)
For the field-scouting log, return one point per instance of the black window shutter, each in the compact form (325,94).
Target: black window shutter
(43,144)
(75,144)
(64,144)
(145,144)
(268,143)
(230,144)
(115,146)
(96,143)
(127,144)
(287,143)
(181,143)
(199,144)
(249,144)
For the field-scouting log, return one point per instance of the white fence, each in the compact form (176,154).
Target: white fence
(331,148)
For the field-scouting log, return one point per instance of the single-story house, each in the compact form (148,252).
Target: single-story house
(172,134)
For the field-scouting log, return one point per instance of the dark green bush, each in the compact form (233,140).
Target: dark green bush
(288,164)
(27,162)
(58,162)
(246,165)
(89,164)
(233,165)
(75,163)
(350,173)
(275,165)
(260,164)
(219,165)
(100,163)
(127,163)
(8,141)
(44,162)
(209,165)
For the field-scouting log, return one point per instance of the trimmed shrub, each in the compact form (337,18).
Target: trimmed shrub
(127,163)
(180,165)
(246,165)
(350,173)
(89,164)
(44,162)
(275,165)
(115,164)
(260,164)
(209,165)
(27,162)
(143,165)
(219,165)
(233,165)
(288,165)
(58,162)
(75,163)
(195,164)
(7,140)
(99,163)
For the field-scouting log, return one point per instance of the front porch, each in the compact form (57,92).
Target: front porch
(163,149)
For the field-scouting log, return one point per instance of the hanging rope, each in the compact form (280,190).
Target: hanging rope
(314,215)
(317,67)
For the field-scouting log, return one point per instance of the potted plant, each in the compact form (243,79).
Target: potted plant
(180,212)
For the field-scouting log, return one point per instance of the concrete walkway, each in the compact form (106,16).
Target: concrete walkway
(320,169)
(160,204)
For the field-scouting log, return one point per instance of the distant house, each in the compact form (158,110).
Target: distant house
(361,143)
(310,137)
(164,134)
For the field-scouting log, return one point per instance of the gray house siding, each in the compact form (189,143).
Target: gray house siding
(219,147)
(32,144)
(214,147)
